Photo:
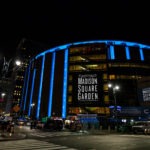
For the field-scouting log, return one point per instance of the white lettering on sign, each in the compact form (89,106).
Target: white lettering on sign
(87,87)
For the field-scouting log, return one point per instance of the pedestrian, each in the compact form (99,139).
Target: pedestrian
(8,126)
(11,127)
(31,125)
(3,127)
(34,124)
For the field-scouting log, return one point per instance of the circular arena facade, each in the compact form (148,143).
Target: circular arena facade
(72,79)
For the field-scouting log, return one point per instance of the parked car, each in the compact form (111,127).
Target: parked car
(7,126)
(125,128)
(141,127)
(3,125)
(75,125)
(28,123)
(40,125)
(54,124)
(147,130)
(21,121)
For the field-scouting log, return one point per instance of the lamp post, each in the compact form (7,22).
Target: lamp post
(2,95)
(115,88)
(32,105)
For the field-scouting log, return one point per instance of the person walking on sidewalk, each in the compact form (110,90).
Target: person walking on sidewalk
(10,127)
(31,125)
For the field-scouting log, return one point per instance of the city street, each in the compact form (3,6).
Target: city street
(43,140)
(105,142)
(75,75)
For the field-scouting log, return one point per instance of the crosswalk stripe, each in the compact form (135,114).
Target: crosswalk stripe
(39,135)
(48,134)
(31,144)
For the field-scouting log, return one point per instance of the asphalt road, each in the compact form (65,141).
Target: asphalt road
(104,142)
(84,141)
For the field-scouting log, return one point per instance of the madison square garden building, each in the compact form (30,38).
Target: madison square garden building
(72,79)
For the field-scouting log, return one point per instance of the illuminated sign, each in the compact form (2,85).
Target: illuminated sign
(86,87)
(128,111)
(132,111)
(146,94)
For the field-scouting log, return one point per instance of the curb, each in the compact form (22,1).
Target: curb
(19,136)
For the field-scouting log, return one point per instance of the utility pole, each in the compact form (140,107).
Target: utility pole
(115,88)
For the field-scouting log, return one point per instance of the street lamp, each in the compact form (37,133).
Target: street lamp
(115,88)
(3,94)
(8,74)
(32,105)
(18,62)
(6,66)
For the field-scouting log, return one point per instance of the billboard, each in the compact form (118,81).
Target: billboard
(131,111)
(86,87)
(146,94)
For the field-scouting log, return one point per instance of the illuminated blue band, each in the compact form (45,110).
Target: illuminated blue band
(51,85)
(31,95)
(40,88)
(64,98)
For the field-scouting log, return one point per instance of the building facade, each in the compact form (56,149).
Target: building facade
(8,78)
(73,79)
(25,50)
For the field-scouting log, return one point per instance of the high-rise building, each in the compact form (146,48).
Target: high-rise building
(6,99)
(7,84)
(26,49)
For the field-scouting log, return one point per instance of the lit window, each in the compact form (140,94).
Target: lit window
(112,77)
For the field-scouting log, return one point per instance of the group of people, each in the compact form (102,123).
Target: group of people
(33,124)
(7,126)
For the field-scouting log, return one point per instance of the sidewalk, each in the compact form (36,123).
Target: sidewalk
(21,133)
(12,136)
(8,136)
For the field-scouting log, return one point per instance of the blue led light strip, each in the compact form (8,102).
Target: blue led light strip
(40,88)
(141,54)
(32,88)
(112,53)
(62,47)
(127,53)
(64,98)
(25,99)
(51,85)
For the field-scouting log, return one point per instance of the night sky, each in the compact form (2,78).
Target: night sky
(58,22)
